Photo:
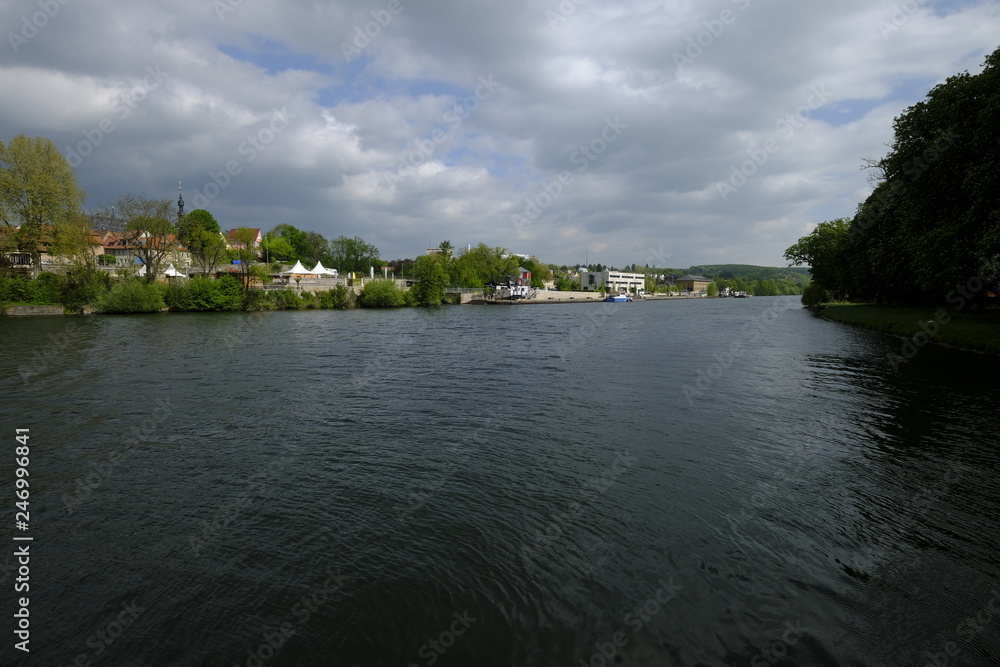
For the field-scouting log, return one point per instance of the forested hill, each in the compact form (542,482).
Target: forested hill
(751,272)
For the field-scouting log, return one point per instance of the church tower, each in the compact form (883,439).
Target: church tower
(180,203)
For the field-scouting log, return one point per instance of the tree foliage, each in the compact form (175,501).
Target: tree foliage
(294,239)
(823,251)
(132,296)
(381,294)
(353,255)
(148,230)
(201,234)
(432,279)
(483,265)
(246,252)
(37,190)
(933,219)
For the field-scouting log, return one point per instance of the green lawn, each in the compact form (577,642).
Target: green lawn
(967,329)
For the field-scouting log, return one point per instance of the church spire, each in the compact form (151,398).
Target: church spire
(180,202)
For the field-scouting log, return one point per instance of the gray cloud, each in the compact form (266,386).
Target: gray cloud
(376,146)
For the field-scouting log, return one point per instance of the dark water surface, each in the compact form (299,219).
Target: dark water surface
(717,482)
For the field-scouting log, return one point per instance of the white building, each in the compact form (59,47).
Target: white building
(617,281)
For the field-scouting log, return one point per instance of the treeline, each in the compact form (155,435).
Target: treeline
(750,272)
(473,267)
(930,230)
(198,294)
(767,287)
(749,278)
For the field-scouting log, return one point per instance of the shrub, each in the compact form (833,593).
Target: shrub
(309,300)
(814,295)
(335,298)
(381,294)
(132,296)
(84,285)
(47,289)
(289,300)
(233,296)
(15,289)
(257,299)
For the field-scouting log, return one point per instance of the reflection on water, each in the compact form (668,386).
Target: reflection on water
(505,486)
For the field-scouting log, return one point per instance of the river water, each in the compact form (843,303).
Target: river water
(703,482)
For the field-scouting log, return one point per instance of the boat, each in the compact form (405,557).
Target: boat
(617,298)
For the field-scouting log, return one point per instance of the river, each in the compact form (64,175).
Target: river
(701,482)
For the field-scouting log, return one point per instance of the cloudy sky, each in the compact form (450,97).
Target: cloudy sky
(665,132)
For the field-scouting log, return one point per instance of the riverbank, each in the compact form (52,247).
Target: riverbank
(977,331)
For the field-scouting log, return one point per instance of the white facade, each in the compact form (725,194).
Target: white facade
(617,281)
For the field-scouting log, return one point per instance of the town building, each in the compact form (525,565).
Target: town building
(238,245)
(617,281)
(694,283)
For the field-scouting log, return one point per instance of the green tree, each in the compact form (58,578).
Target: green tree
(381,294)
(148,230)
(713,289)
(73,240)
(317,249)
(540,273)
(201,234)
(297,238)
(933,219)
(246,252)
(354,255)
(277,249)
(484,265)
(447,250)
(432,279)
(38,189)
(197,220)
(823,251)
(132,295)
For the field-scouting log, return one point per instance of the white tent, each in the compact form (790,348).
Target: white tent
(298,269)
(323,271)
(172,272)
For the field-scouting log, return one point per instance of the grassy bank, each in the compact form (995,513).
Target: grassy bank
(970,330)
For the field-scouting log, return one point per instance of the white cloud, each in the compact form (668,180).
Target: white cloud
(386,113)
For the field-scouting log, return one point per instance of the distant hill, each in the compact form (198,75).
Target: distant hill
(799,274)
